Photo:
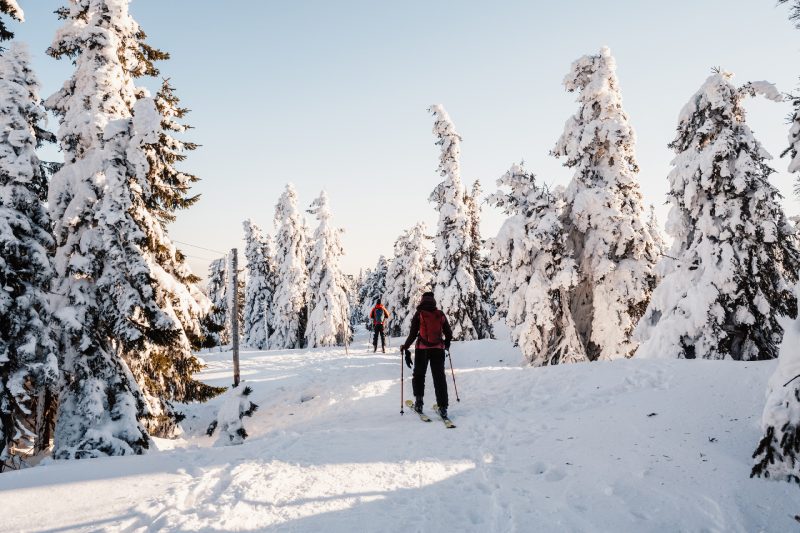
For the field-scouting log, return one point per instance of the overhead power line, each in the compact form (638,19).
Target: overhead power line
(199,247)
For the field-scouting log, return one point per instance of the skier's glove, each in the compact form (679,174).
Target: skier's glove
(447,345)
(408,358)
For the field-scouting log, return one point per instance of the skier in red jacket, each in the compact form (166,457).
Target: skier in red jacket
(431,330)
(379,316)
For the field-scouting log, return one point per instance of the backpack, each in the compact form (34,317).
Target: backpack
(430,327)
(378,315)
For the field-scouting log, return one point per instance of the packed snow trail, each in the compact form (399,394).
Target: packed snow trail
(628,445)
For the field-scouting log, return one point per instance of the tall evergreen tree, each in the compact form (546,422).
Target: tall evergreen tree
(216,322)
(481,265)
(169,191)
(160,298)
(407,277)
(609,236)
(260,286)
(130,311)
(456,287)
(328,306)
(290,307)
(735,253)
(28,364)
(536,273)
(358,316)
(100,405)
(777,455)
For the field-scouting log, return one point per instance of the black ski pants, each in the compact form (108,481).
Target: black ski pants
(434,356)
(378,328)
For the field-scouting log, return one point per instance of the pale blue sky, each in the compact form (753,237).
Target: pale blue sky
(333,94)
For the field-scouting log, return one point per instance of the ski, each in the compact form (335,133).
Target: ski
(422,416)
(447,421)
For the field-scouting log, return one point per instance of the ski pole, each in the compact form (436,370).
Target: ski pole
(453,373)
(402,399)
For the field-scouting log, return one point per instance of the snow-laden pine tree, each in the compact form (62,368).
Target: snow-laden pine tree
(100,404)
(481,264)
(352,298)
(735,254)
(654,227)
(290,307)
(216,323)
(408,276)
(12,9)
(536,273)
(328,306)
(129,316)
(609,236)
(168,191)
(28,363)
(777,455)
(358,316)
(374,288)
(260,286)
(149,291)
(456,287)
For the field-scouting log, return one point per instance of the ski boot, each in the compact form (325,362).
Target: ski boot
(418,404)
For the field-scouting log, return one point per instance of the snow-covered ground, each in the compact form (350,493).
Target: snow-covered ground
(624,446)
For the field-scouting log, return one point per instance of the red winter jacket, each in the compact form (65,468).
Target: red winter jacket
(385,314)
(429,307)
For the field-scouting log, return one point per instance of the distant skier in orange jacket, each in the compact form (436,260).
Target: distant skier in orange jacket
(379,316)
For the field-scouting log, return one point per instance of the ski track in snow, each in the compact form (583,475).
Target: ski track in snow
(568,448)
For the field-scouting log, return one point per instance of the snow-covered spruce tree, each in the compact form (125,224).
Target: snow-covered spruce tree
(456,287)
(358,316)
(352,298)
(216,323)
(609,236)
(328,306)
(290,307)
(535,271)
(777,455)
(654,227)
(100,403)
(481,264)
(374,288)
(170,191)
(735,254)
(28,364)
(260,286)
(408,276)
(12,9)
(124,315)
(158,311)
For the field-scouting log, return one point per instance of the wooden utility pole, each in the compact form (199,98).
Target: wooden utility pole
(235,315)
(345,322)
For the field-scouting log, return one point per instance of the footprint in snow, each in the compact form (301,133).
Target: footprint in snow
(556,474)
